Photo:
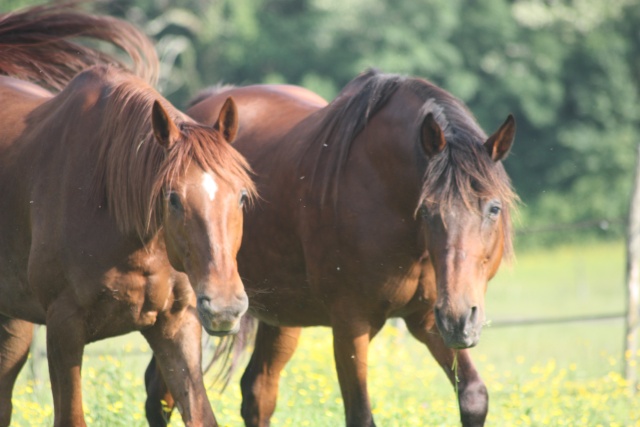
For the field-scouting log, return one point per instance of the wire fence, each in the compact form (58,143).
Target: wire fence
(505,323)
(38,351)
(603,224)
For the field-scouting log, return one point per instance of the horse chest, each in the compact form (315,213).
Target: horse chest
(133,299)
(287,300)
(18,299)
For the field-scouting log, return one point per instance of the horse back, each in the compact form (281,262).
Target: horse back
(264,109)
(273,129)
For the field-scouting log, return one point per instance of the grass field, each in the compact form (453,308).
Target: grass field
(539,375)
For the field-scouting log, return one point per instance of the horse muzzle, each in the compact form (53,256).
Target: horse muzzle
(220,318)
(460,330)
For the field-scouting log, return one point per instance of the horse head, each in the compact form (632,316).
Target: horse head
(466,228)
(203,214)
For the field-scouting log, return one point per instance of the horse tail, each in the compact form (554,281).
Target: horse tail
(36,45)
(227,355)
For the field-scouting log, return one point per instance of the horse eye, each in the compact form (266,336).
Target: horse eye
(174,202)
(494,210)
(422,211)
(244,196)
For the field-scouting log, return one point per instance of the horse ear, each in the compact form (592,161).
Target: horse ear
(164,129)
(499,144)
(227,123)
(432,137)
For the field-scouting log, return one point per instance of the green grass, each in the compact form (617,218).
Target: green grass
(560,282)
(563,282)
(558,374)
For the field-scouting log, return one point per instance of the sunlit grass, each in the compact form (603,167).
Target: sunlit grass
(407,389)
(549,375)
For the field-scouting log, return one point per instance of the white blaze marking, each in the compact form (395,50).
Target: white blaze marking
(209,185)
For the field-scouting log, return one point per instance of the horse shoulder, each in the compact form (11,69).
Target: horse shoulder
(132,286)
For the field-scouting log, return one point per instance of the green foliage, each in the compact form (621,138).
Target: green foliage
(569,71)
(11,5)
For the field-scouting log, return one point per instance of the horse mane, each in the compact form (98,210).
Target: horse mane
(462,172)
(133,169)
(35,45)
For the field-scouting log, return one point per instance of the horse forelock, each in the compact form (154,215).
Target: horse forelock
(211,153)
(133,170)
(463,172)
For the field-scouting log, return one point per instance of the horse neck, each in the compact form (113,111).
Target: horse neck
(384,159)
(392,154)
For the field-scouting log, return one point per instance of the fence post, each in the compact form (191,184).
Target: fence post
(633,283)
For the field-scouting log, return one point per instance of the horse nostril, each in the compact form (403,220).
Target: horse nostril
(243,303)
(204,302)
(473,316)
(441,322)
(243,298)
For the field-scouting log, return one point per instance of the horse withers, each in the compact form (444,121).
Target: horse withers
(118,213)
(388,202)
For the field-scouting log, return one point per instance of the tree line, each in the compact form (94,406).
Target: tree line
(569,71)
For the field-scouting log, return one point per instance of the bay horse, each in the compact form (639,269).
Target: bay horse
(118,213)
(388,202)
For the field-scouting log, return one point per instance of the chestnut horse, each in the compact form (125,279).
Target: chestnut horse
(118,213)
(388,202)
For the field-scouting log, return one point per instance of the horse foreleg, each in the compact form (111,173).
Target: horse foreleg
(175,341)
(473,399)
(66,337)
(15,339)
(160,403)
(274,347)
(350,347)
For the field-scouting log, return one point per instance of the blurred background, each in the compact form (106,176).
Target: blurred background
(569,71)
